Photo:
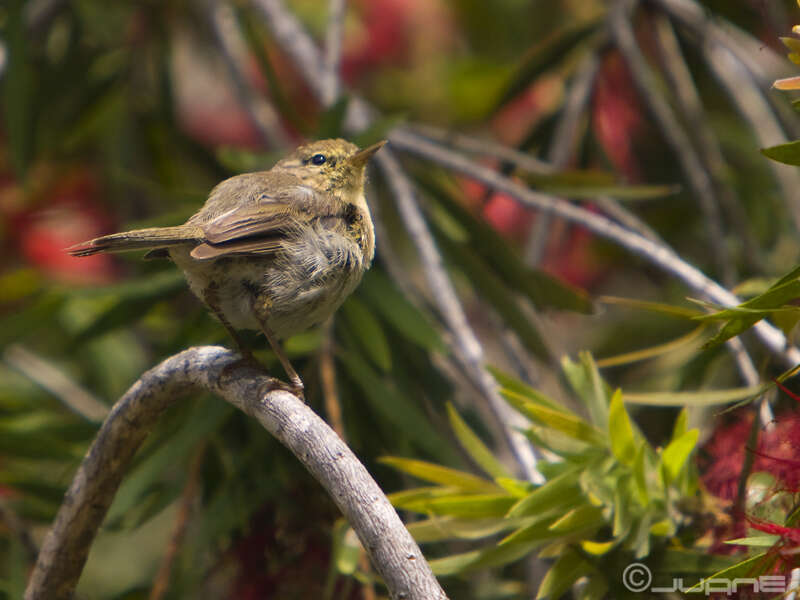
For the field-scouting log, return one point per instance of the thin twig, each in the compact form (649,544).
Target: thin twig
(333,51)
(654,252)
(327,375)
(55,381)
(673,132)
(562,147)
(394,553)
(483,147)
(162,579)
(691,107)
(523,161)
(233,49)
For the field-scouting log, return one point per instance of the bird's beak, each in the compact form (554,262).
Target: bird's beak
(360,158)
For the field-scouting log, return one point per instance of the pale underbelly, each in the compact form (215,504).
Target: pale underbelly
(292,296)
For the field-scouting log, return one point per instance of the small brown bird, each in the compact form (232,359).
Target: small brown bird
(276,251)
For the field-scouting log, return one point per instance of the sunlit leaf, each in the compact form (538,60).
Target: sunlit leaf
(701,398)
(474,446)
(547,495)
(570,567)
(565,423)
(439,474)
(620,431)
(683,341)
(367,330)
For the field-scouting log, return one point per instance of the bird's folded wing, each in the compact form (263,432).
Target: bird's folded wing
(254,228)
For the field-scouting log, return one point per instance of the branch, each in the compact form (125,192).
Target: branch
(393,551)
(654,252)
(562,147)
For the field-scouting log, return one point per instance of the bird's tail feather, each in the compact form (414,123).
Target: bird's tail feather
(139,239)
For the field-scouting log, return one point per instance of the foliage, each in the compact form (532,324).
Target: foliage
(120,115)
(610,496)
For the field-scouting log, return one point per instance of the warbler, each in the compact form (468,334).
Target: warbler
(276,251)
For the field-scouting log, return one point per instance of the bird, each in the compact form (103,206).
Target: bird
(275,251)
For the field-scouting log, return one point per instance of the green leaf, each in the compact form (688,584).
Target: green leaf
(368,332)
(495,292)
(579,518)
(547,496)
(239,160)
(569,567)
(744,568)
(131,301)
(622,513)
(675,455)
(545,55)
(756,541)
(331,122)
(439,474)
(19,88)
(474,446)
(624,444)
(589,184)
(437,529)
(682,342)
(680,312)
(785,153)
(596,588)
(346,548)
(472,506)
(396,408)
(495,556)
(127,509)
(585,379)
(701,398)
(731,329)
(567,424)
(384,299)
(640,476)
(564,446)
(519,389)
(681,424)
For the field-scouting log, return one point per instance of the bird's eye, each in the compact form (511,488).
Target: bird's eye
(318,159)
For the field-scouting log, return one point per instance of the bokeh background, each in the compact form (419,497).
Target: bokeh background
(117,115)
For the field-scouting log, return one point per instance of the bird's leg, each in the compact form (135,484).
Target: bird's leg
(211,299)
(260,310)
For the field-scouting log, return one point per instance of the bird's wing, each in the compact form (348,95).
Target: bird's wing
(260,220)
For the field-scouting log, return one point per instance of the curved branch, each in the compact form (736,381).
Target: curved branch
(393,551)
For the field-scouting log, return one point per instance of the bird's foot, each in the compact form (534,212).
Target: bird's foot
(294,388)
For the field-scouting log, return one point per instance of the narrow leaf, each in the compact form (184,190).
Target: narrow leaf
(474,446)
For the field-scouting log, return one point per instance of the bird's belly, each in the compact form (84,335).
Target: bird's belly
(296,289)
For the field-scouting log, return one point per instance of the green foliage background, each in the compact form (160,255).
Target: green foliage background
(95,135)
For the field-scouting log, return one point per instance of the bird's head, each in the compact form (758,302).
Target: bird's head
(330,164)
